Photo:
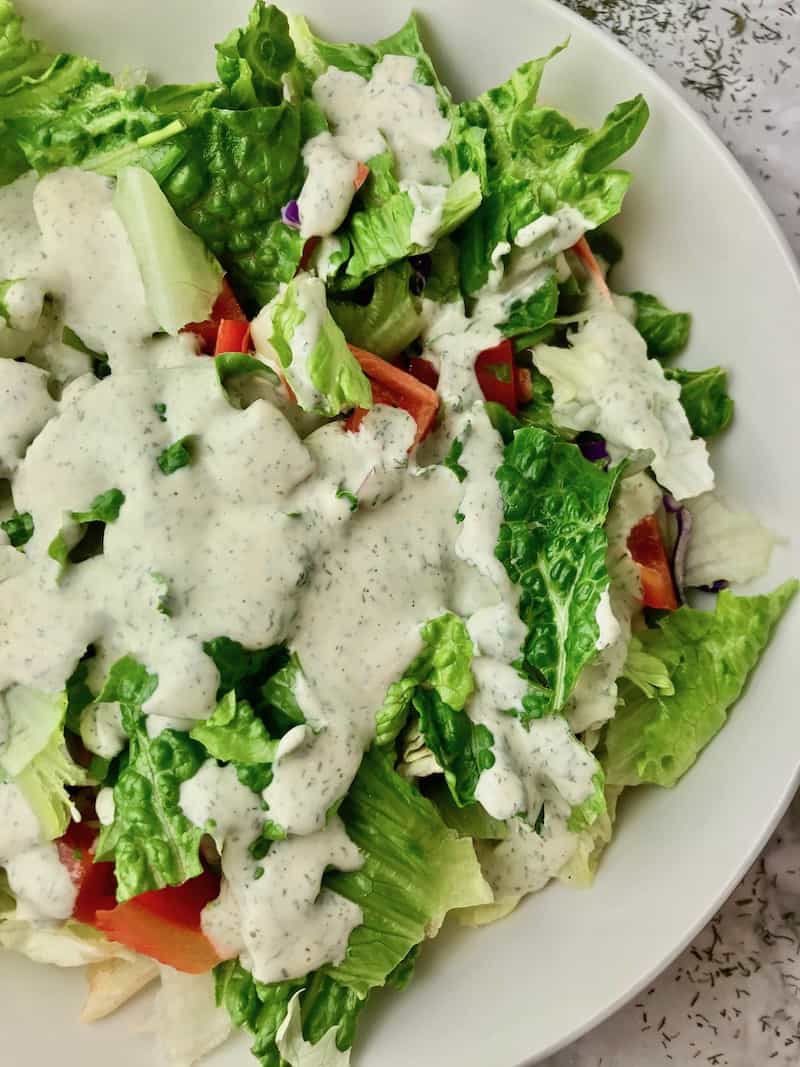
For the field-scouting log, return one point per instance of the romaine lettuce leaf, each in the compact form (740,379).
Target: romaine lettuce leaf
(243,669)
(389,322)
(181,278)
(298,1052)
(553,545)
(415,870)
(705,399)
(252,61)
(322,371)
(539,163)
(708,656)
(666,332)
(34,755)
(471,820)
(462,748)
(151,841)
(260,1009)
(234,732)
(443,666)
(646,671)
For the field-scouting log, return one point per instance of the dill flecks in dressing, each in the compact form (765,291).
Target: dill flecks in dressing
(392,111)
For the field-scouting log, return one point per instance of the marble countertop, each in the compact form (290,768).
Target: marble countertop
(732,999)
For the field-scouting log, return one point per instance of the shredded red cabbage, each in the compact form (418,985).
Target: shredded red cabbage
(683,520)
(715,587)
(290,215)
(593,447)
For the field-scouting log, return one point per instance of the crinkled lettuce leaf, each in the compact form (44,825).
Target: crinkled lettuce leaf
(462,748)
(234,732)
(705,399)
(709,656)
(666,332)
(253,61)
(553,545)
(538,163)
(389,322)
(469,820)
(301,1053)
(415,871)
(34,754)
(261,1009)
(443,666)
(151,841)
(646,671)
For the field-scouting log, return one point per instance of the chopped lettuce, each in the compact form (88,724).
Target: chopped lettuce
(552,544)
(389,322)
(469,820)
(443,667)
(260,1009)
(462,748)
(33,754)
(666,332)
(181,278)
(243,669)
(322,371)
(415,870)
(297,1051)
(151,841)
(252,62)
(646,671)
(104,508)
(539,163)
(708,656)
(705,399)
(234,732)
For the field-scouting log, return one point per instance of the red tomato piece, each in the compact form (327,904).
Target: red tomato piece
(95,882)
(496,374)
(226,306)
(362,173)
(165,924)
(397,389)
(308,251)
(424,371)
(233,335)
(647,550)
(524,384)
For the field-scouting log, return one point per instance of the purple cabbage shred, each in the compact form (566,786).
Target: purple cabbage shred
(593,447)
(683,520)
(290,214)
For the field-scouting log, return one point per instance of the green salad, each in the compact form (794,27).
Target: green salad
(352,524)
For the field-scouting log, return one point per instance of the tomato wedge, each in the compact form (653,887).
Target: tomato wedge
(647,550)
(586,256)
(308,251)
(165,924)
(95,882)
(233,335)
(398,389)
(362,173)
(424,371)
(495,371)
(226,306)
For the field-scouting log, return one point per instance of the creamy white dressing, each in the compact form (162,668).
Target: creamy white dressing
(40,883)
(541,763)
(272,912)
(19,827)
(605,383)
(26,405)
(390,111)
(101,730)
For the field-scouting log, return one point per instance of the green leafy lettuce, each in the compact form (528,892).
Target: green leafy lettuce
(666,332)
(553,545)
(151,841)
(539,163)
(705,399)
(321,369)
(415,870)
(708,656)
(34,754)
(234,732)
(175,456)
(181,278)
(443,667)
(252,61)
(389,322)
(462,748)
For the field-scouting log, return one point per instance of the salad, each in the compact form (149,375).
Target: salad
(352,523)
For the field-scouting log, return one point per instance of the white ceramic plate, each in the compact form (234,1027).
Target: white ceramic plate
(696,233)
